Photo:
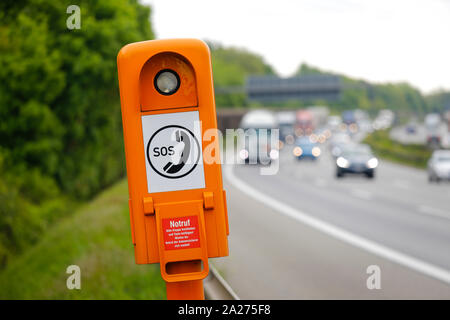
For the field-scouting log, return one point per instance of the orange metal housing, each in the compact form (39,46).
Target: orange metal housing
(138,63)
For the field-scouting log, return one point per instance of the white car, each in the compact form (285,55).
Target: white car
(439,166)
(259,143)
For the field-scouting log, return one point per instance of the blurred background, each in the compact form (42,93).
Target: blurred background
(360,96)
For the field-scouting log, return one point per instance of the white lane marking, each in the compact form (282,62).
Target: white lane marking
(338,233)
(434,211)
(362,194)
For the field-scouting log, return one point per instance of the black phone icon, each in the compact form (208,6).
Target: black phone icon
(180,137)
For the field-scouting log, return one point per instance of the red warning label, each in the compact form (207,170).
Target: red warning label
(181,233)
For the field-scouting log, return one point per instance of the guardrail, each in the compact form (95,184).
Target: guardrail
(216,288)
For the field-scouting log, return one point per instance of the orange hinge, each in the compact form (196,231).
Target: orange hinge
(148,206)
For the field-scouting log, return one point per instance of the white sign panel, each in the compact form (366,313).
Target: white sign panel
(173,151)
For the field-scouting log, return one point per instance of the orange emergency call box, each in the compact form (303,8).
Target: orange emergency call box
(177,202)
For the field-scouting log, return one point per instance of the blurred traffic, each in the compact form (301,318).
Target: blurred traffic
(345,170)
(312,133)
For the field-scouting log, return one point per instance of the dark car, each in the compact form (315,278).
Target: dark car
(358,159)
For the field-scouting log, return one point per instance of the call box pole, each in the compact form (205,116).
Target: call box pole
(178,212)
(185,290)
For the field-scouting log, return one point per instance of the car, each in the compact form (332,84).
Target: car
(339,148)
(334,122)
(411,128)
(432,126)
(257,147)
(338,142)
(305,147)
(286,122)
(439,166)
(357,159)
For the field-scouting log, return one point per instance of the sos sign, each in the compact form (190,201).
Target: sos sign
(177,203)
(181,153)
(173,149)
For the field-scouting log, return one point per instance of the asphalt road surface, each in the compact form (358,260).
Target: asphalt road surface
(304,234)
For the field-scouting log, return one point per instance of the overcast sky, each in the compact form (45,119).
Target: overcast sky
(376,40)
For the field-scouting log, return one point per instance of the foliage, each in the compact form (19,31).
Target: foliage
(97,239)
(60,124)
(439,101)
(399,97)
(231,66)
(413,155)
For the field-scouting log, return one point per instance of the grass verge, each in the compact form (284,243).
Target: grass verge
(414,155)
(97,239)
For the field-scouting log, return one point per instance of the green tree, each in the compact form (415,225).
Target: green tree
(438,101)
(231,67)
(399,97)
(60,122)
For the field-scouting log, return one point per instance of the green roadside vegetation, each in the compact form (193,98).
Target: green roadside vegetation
(402,98)
(438,100)
(97,238)
(414,155)
(231,66)
(60,123)
(61,150)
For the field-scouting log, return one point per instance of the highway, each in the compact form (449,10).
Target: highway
(401,135)
(304,234)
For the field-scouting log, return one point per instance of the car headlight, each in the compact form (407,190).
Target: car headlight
(274,154)
(313,138)
(315,151)
(297,151)
(342,162)
(289,139)
(243,154)
(372,163)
